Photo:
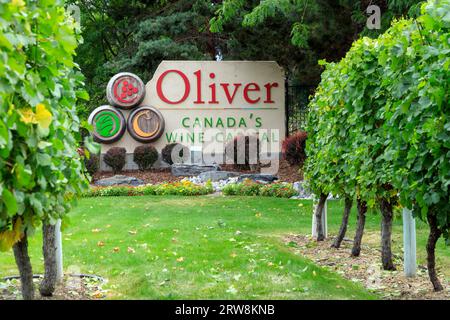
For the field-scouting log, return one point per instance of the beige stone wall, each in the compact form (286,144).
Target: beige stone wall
(260,72)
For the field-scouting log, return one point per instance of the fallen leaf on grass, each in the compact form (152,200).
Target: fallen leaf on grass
(100,244)
(98,295)
(132,232)
(131,250)
(232,290)
(116,249)
(180,259)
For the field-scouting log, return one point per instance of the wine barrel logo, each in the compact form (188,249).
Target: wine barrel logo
(125,90)
(145,124)
(109,124)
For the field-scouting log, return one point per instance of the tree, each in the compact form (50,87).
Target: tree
(322,29)
(41,171)
(416,73)
(136,36)
(389,98)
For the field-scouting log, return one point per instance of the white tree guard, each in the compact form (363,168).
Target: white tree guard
(409,244)
(59,254)
(324,220)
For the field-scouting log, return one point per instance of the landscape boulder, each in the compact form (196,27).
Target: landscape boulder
(217,175)
(186,170)
(119,180)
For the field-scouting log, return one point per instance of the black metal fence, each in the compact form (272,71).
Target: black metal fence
(297,98)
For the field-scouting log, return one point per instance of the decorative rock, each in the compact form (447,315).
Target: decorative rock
(192,169)
(258,177)
(302,191)
(119,180)
(217,175)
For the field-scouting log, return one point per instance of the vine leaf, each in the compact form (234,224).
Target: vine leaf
(43,116)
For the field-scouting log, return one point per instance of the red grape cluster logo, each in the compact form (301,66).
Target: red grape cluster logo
(125,90)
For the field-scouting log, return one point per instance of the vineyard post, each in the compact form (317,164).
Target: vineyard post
(59,255)
(324,220)
(409,243)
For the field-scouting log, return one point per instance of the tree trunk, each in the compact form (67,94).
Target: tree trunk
(318,215)
(433,237)
(24,265)
(343,229)
(362,209)
(48,284)
(386,232)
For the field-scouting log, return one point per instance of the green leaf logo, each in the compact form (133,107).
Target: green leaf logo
(107,124)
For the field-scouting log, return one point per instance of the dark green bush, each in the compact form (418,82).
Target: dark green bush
(92,164)
(294,148)
(183,152)
(115,158)
(251,151)
(145,156)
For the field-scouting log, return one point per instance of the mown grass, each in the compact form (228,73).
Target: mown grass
(206,247)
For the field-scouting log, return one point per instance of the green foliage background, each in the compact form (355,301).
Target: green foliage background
(137,35)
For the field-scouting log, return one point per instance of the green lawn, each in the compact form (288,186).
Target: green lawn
(204,248)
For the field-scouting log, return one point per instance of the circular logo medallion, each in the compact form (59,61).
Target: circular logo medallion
(109,124)
(145,124)
(125,90)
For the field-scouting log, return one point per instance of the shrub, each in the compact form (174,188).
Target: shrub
(251,151)
(279,190)
(145,156)
(115,158)
(246,188)
(166,152)
(294,148)
(92,164)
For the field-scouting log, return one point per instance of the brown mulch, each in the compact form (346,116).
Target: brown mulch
(71,288)
(286,173)
(366,269)
(152,176)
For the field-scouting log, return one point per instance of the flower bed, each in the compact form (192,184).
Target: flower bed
(188,188)
(250,188)
(182,188)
